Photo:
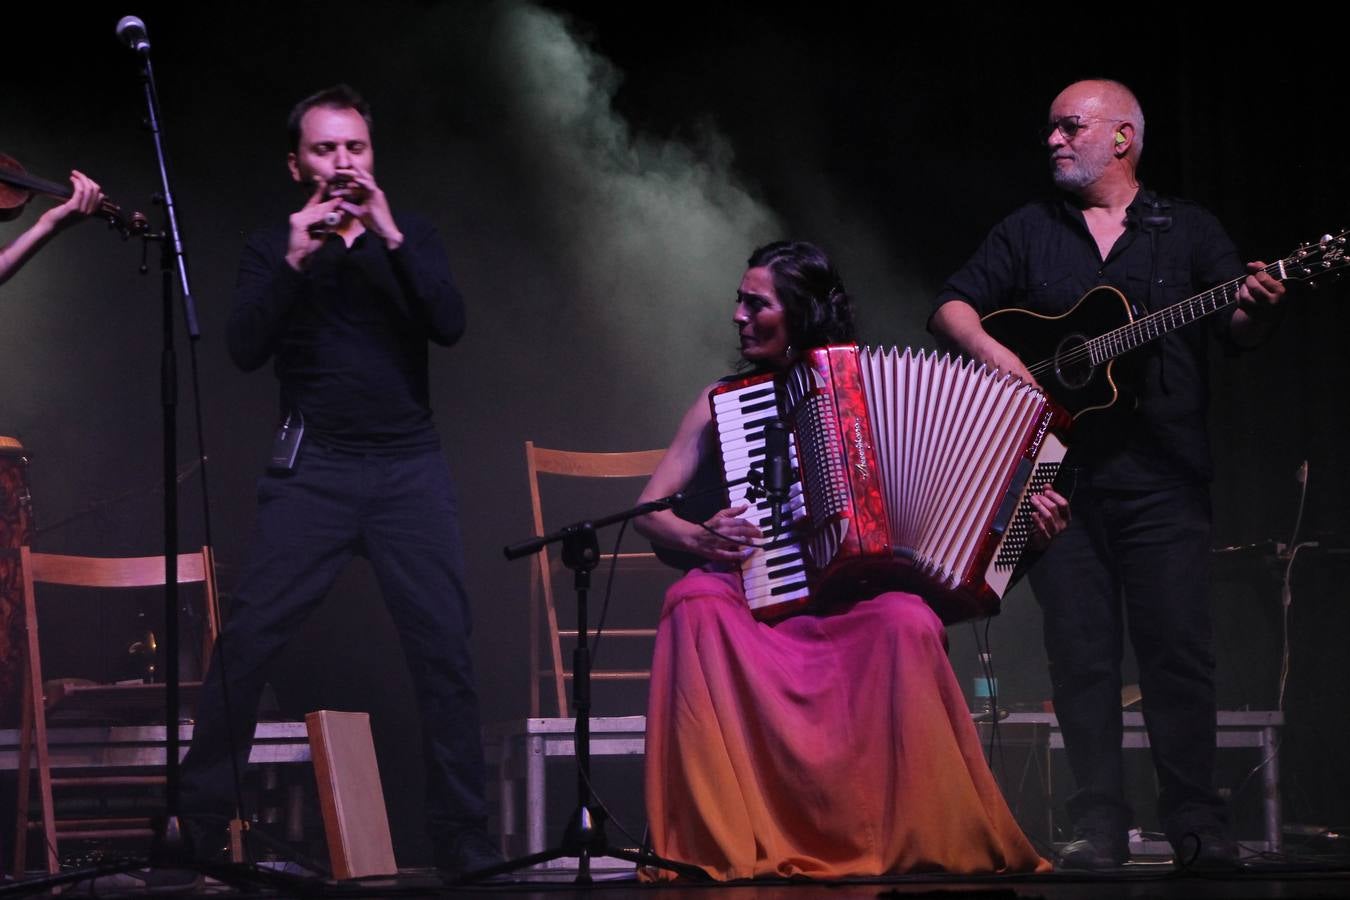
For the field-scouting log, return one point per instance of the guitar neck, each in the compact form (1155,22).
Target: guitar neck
(1157,324)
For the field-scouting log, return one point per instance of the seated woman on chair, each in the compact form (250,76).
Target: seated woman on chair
(826,745)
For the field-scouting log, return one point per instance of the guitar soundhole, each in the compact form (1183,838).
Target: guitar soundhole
(1073,364)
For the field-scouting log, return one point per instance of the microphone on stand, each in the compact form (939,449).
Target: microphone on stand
(777,469)
(131,31)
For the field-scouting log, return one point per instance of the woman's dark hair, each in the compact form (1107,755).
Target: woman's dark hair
(818,308)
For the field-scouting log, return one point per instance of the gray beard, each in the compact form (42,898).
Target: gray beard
(1084,171)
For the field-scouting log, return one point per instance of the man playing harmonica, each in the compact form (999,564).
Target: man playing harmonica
(344,298)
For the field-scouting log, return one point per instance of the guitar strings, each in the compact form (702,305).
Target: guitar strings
(1136,333)
(1123,335)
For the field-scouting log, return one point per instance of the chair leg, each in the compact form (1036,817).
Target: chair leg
(45,780)
(21,799)
(33,737)
(35,725)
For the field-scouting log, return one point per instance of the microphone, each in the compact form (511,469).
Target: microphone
(131,31)
(777,469)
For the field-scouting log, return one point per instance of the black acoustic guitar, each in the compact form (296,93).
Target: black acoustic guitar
(1072,355)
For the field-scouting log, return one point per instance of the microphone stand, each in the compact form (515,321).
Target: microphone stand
(172,257)
(169,848)
(171,845)
(584,837)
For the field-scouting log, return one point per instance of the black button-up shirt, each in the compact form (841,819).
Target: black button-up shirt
(1043,258)
(349,334)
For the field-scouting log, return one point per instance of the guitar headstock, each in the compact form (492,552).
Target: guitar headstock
(1315,263)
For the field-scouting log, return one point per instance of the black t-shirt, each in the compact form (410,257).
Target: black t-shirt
(1043,258)
(349,334)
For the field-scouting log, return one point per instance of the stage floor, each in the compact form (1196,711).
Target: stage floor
(1256,881)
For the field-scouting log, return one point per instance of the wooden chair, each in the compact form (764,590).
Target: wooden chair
(576,464)
(89,572)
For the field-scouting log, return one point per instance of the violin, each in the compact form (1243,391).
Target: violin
(17,187)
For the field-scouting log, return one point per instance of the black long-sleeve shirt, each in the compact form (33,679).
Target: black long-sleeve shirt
(1044,258)
(349,334)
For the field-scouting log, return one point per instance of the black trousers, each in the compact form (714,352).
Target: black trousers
(1136,561)
(399,512)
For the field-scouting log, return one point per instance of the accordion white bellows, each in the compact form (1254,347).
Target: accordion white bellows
(916,469)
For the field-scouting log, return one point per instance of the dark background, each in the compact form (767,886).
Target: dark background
(600,173)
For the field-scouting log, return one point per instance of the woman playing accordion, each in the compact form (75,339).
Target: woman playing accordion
(826,745)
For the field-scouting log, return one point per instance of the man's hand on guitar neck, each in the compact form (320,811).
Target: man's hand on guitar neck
(1258,305)
(959,323)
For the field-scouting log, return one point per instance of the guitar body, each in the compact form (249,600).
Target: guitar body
(1073,356)
(1073,381)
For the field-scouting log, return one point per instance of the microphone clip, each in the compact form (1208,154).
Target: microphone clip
(1159,218)
(757,491)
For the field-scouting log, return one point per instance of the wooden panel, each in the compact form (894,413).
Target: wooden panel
(350,794)
(581,464)
(138,571)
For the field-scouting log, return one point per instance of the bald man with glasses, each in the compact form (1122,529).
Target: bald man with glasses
(1135,556)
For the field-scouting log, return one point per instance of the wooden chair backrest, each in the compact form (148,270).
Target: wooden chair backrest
(572,464)
(84,572)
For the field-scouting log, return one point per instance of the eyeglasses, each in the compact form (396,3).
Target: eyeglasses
(1069,126)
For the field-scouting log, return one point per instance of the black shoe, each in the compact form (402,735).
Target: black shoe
(465,853)
(1206,851)
(1094,854)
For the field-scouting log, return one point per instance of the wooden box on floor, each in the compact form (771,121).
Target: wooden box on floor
(350,794)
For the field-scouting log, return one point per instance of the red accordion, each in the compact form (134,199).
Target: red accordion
(915,474)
